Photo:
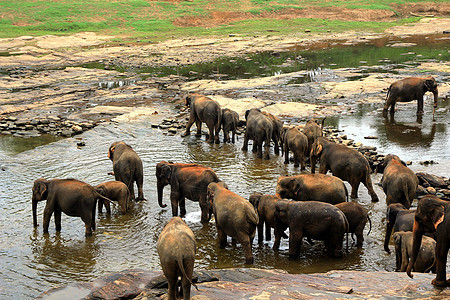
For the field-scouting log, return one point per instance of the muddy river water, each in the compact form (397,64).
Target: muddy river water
(31,263)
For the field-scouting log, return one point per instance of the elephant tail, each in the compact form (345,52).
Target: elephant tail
(406,191)
(346,193)
(432,265)
(101,196)
(181,266)
(370,225)
(388,92)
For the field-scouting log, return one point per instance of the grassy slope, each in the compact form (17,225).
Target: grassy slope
(152,19)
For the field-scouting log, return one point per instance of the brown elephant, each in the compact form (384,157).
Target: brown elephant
(204,110)
(313,130)
(311,219)
(399,182)
(297,142)
(176,249)
(357,218)
(432,216)
(230,120)
(265,206)
(409,89)
(426,259)
(127,167)
(259,128)
(276,132)
(346,163)
(73,197)
(116,191)
(309,187)
(399,218)
(186,181)
(235,217)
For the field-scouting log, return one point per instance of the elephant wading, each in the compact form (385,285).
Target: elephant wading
(207,110)
(259,128)
(311,219)
(176,249)
(426,258)
(398,218)
(276,132)
(309,187)
(73,197)
(265,206)
(313,130)
(409,89)
(399,182)
(432,215)
(357,218)
(127,167)
(116,191)
(297,142)
(346,163)
(235,217)
(186,181)
(230,120)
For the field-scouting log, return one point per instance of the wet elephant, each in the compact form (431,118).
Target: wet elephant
(276,132)
(259,128)
(398,218)
(230,120)
(70,196)
(265,206)
(311,219)
(357,218)
(186,181)
(127,167)
(399,182)
(117,191)
(297,142)
(176,249)
(409,89)
(426,258)
(309,187)
(344,162)
(313,129)
(235,217)
(204,110)
(433,216)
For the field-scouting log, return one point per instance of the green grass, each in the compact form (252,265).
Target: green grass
(153,19)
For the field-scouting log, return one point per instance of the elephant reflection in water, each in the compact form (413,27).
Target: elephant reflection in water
(408,133)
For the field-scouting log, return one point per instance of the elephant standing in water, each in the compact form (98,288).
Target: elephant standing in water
(259,128)
(357,218)
(409,89)
(426,258)
(116,191)
(230,120)
(313,130)
(127,167)
(235,217)
(186,181)
(297,142)
(207,110)
(73,197)
(398,218)
(433,216)
(399,182)
(276,132)
(176,249)
(346,163)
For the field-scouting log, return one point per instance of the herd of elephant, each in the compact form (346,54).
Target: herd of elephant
(314,206)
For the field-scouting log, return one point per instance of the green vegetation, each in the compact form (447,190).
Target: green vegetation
(158,19)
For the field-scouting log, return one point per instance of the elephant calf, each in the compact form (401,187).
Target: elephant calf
(230,120)
(357,218)
(116,191)
(265,206)
(399,182)
(235,217)
(176,249)
(426,258)
(297,142)
(259,128)
(398,218)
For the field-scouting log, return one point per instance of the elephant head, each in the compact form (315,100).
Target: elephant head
(40,192)
(431,86)
(163,176)
(287,187)
(282,213)
(430,213)
(316,152)
(390,157)
(254,199)
(116,149)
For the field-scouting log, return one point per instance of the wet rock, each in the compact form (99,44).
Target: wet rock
(431,180)
(427,162)
(371,137)
(421,191)
(431,190)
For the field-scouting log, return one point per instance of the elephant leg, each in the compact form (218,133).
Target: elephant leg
(355,186)
(441,262)
(302,163)
(48,211)
(420,105)
(222,237)
(387,237)
(100,206)
(188,126)
(245,143)
(360,235)
(398,259)
(233,136)
(57,216)
(226,136)
(244,239)
(368,184)
(211,133)
(296,160)
(216,134)
(404,258)
(268,233)
(255,146)
(276,147)
(140,183)
(172,279)
(295,243)
(286,154)
(266,149)
(182,203)
(185,284)
(87,224)
(108,207)
(93,216)
(261,231)
(198,123)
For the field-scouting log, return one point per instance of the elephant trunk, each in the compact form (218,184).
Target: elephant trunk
(387,237)
(435,94)
(417,241)
(160,188)
(34,208)
(313,163)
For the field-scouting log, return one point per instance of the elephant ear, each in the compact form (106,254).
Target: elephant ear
(437,216)
(188,100)
(397,240)
(246,113)
(166,172)
(317,149)
(42,189)
(295,187)
(111,152)
(429,84)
